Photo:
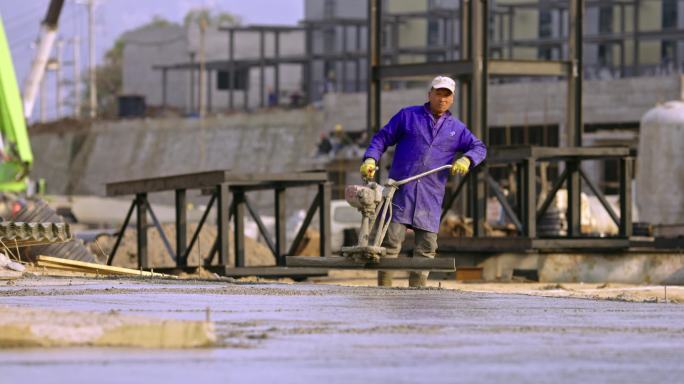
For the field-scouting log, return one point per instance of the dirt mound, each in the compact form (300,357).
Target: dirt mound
(256,254)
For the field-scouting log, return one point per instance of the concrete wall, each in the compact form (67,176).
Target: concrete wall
(532,103)
(624,267)
(82,162)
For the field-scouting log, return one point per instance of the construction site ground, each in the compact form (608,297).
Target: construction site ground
(340,330)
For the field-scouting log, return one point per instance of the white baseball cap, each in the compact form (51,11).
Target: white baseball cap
(444,82)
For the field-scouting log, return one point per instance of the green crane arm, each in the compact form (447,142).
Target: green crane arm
(17,157)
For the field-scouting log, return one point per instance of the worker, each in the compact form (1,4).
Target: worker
(426,137)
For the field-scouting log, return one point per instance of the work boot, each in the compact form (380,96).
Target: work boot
(417,279)
(385,278)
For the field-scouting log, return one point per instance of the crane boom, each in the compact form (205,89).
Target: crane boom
(48,34)
(16,157)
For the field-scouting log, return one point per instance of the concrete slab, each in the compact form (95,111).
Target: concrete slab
(312,333)
(24,327)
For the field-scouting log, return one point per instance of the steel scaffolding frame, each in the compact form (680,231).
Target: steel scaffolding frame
(473,71)
(448,48)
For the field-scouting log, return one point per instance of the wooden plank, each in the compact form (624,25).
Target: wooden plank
(62,267)
(93,267)
(400,263)
(67,268)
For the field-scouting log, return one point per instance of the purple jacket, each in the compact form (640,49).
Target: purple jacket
(423,144)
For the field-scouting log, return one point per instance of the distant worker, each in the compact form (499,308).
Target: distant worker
(272,98)
(324,146)
(340,138)
(426,137)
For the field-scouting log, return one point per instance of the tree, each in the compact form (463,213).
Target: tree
(212,18)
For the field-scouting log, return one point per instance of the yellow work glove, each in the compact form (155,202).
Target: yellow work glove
(460,166)
(368,169)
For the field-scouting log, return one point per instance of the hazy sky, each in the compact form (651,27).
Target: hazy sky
(22,20)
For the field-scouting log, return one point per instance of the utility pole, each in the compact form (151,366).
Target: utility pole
(58,79)
(77,76)
(92,58)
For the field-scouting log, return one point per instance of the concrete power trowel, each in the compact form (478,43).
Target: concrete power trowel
(374,201)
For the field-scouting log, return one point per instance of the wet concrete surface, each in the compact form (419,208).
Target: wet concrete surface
(313,333)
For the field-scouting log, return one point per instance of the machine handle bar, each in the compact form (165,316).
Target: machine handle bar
(418,176)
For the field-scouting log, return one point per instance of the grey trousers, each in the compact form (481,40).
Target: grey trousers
(425,246)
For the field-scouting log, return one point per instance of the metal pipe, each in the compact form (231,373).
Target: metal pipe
(418,176)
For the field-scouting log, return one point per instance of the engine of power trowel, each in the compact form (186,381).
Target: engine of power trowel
(369,200)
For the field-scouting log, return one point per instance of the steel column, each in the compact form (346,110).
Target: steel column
(209,74)
(164,85)
(464,85)
(231,69)
(530,211)
(478,105)
(374,57)
(520,201)
(309,67)
(394,33)
(635,37)
(626,170)
(262,76)
(511,16)
(222,223)
(343,74)
(192,82)
(280,227)
(239,227)
(574,124)
(574,186)
(357,62)
(324,196)
(245,93)
(449,27)
(141,228)
(276,68)
(622,40)
(181,228)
